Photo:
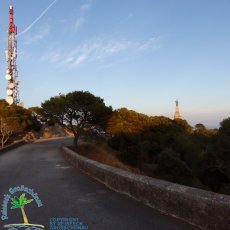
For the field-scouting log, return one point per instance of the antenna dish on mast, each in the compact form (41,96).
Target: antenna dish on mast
(10,100)
(9,92)
(8,77)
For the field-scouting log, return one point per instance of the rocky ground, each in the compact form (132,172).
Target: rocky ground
(47,132)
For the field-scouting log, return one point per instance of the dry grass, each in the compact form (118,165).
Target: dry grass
(101,152)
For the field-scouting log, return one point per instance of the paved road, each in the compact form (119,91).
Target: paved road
(68,193)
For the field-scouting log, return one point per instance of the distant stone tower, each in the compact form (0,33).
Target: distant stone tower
(177,113)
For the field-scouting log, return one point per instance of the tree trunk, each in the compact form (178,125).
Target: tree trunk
(75,142)
(2,142)
(24,215)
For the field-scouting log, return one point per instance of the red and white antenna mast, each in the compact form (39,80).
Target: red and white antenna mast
(12,89)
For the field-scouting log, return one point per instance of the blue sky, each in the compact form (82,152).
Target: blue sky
(139,54)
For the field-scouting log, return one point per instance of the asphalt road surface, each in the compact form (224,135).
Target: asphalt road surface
(70,195)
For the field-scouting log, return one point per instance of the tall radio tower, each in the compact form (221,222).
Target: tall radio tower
(12,89)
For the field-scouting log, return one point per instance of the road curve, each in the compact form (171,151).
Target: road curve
(66,192)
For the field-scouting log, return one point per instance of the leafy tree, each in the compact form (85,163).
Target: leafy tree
(129,121)
(38,113)
(200,128)
(173,169)
(215,167)
(127,145)
(77,111)
(18,118)
(126,121)
(183,125)
(20,203)
(15,119)
(5,132)
(225,127)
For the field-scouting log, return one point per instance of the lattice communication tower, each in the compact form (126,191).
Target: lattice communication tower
(12,89)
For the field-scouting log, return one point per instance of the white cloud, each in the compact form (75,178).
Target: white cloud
(53,56)
(151,43)
(81,19)
(117,46)
(69,60)
(96,50)
(85,7)
(39,35)
(100,50)
(79,60)
(79,22)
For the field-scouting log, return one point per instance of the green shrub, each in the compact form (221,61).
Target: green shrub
(225,189)
(131,156)
(127,145)
(173,169)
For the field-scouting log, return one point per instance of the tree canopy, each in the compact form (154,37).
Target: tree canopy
(129,121)
(15,119)
(172,150)
(77,111)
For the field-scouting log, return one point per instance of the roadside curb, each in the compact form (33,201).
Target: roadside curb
(204,209)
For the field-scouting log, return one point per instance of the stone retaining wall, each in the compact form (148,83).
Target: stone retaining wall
(204,209)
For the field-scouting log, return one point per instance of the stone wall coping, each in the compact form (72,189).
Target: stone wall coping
(209,210)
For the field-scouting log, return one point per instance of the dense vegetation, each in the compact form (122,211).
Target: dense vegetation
(172,150)
(15,120)
(78,112)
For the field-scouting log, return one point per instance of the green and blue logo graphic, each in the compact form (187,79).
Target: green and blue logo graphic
(19,202)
